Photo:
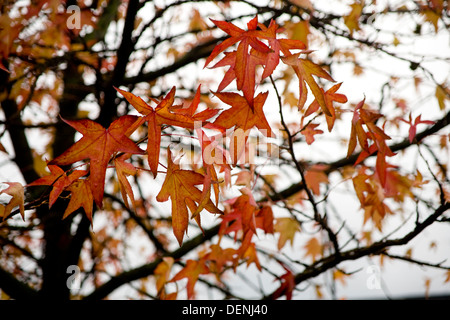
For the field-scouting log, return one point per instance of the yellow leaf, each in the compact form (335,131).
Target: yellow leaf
(396,41)
(441,96)
(447,276)
(340,276)
(431,17)
(162,273)
(352,19)
(318,290)
(287,227)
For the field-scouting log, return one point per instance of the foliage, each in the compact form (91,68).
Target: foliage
(263,145)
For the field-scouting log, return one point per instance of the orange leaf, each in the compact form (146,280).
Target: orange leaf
(82,197)
(191,271)
(250,52)
(242,63)
(165,114)
(330,97)
(305,69)
(59,180)
(124,169)
(191,110)
(98,145)
(11,196)
(162,273)
(310,131)
(180,186)
(313,248)
(243,116)
(264,219)
(220,257)
(314,176)
(241,217)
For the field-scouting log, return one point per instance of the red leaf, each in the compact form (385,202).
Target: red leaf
(287,285)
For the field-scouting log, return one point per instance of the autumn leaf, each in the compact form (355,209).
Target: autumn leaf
(191,271)
(180,186)
(98,145)
(313,248)
(11,196)
(247,79)
(82,197)
(264,219)
(250,254)
(413,126)
(243,116)
(162,273)
(191,111)
(309,131)
(232,219)
(371,197)
(250,53)
(59,180)
(331,96)
(124,169)
(243,64)
(441,95)
(277,45)
(315,176)
(218,258)
(305,69)
(375,134)
(212,154)
(165,114)
(340,276)
(287,285)
(352,19)
(287,228)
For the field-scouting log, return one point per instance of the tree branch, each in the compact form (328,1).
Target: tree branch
(333,166)
(15,288)
(376,248)
(148,269)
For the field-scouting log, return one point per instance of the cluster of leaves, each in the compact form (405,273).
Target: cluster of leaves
(252,57)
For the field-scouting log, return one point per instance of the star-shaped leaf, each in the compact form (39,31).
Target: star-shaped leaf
(191,271)
(11,196)
(59,180)
(98,145)
(180,187)
(124,169)
(165,114)
(305,69)
(81,198)
(243,116)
